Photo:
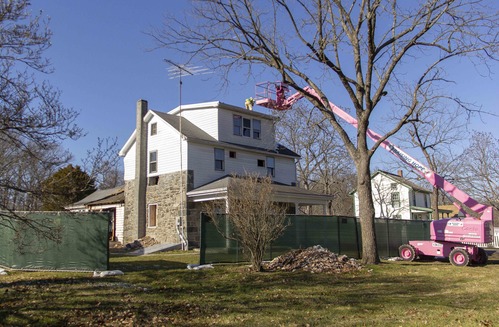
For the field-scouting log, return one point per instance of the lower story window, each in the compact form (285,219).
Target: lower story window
(153,209)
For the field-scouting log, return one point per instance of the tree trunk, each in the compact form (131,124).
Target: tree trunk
(434,203)
(366,213)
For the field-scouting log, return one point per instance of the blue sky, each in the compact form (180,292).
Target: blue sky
(103,66)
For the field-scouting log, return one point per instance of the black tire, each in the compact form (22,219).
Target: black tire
(459,257)
(407,252)
(482,257)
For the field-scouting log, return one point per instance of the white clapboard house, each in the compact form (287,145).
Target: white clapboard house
(175,161)
(396,197)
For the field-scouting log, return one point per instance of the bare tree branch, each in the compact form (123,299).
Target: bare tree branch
(358,48)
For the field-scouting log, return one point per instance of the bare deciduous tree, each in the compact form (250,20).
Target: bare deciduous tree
(102,164)
(437,126)
(362,49)
(478,170)
(255,218)
(33,121)
(435,139)
(324,165)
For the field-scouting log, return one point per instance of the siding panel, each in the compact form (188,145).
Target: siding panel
(129,164)
(202,162)
(206,119)
(167,143)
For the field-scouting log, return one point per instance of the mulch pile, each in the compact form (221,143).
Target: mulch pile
(315,259)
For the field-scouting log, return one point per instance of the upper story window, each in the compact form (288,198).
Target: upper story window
(257,128)
(246,127)
(232,154)
(395,197)
(154,128)
(393,186)
(271,166)
(237,124)
(153,162)
(219,159)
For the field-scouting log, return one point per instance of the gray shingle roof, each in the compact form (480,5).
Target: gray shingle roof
(100,195)
(189,130)
(223,182)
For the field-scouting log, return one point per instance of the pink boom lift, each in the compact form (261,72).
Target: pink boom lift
(455,238)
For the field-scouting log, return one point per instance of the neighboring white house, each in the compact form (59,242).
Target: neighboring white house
(108,200)
(174,161)
(396,197)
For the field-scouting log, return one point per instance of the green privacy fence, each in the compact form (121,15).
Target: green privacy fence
(55,241)
(338,234)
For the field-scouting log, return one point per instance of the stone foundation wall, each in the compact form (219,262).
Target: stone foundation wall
(130,222)
(166,195)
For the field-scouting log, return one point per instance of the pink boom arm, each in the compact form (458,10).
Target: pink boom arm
(283,103)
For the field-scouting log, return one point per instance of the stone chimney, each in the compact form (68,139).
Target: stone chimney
(400,173)
(140,168)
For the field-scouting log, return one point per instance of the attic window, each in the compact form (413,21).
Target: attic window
(246,127)
(154,128)
(237,124)
(393,186)
(257,128)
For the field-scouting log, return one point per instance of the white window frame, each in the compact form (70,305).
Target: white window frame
(151,162)
(257,129)
(246,127)
(219,156)
(270,163)
(395,199)
(154,129)
(237,125)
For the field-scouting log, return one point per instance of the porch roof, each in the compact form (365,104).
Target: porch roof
(282,193)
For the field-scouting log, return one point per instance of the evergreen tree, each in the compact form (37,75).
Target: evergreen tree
(68,185)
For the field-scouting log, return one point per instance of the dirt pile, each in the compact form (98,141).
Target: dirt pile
(141,243)
(315,259)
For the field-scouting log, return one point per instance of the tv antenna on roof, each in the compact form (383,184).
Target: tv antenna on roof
(178,71)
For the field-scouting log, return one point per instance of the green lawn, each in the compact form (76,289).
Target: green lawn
(158,290)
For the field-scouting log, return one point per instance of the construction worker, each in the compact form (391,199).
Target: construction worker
(249,103)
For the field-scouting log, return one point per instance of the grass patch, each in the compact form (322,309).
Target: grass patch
(159,290)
